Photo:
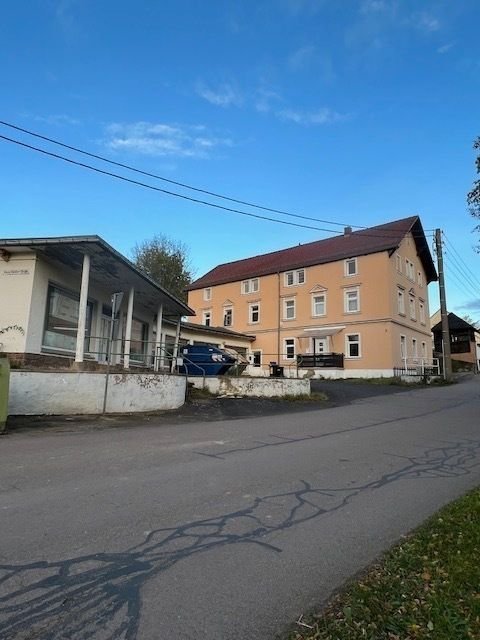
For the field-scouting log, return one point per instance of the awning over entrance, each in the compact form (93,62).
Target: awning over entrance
(321,332)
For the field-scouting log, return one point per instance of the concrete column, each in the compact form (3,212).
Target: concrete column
(128,329)
(158,339)
(82,310)
(175,346)
(117,343)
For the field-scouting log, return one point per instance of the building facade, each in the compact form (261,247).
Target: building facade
(353,305)
(56,309)
(464,341)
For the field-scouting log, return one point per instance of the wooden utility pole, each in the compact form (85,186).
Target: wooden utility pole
(447,358)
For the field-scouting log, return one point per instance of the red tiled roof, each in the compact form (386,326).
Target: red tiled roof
(385,237)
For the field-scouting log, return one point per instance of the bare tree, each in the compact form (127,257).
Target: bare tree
(473,197)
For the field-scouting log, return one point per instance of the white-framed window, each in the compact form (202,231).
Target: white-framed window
(350,266)
(319,304)
(257,358)
(398,262)
(207,318)
(61,321)
(352,345)
(412,307)
(420,279)
(289,348)
(207,294)
(414,348)
(410,269)
(421,311)
(424,349)
(251,286)
(254,312)
(403,346)
(227,316)
(289,309)
(293,278)
(401,301)
(351,300)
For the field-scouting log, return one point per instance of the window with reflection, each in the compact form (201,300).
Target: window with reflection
(61,321)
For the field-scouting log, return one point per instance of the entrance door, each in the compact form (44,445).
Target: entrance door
(104,338)
(320,345)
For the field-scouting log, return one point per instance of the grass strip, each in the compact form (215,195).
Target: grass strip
(427,587)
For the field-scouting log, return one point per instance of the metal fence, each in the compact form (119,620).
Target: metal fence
(420,367)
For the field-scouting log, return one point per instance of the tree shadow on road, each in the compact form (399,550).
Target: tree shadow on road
(99,595)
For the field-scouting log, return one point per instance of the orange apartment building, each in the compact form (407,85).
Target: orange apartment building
(355,305)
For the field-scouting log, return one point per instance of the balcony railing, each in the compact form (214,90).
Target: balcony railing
(320,360)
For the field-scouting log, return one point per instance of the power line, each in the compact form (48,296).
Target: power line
(159,189)
(450,244)
(473,284)
(366,233)
(467,281)
(184,185)
(175,182)
(465,285)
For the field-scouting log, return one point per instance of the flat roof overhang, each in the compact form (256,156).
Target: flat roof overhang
(109,269)
(321,332)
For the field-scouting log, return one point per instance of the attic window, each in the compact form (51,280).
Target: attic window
(351,267)
(250,286)
(293,278)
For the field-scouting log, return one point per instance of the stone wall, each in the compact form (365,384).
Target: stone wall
(70,392)
(252,387)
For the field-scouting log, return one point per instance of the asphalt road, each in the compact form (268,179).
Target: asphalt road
(219,530)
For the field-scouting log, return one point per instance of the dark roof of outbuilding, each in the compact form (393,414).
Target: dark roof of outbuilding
(455,324)
(217,331)
(385,237)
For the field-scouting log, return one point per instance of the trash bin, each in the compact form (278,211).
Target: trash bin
(4,383)
(275,370)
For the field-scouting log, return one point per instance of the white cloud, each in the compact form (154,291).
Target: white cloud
(319,117)
(159,139)
(373,6)
(225,95)
(380,22)
(297,7)
(66,17)
(300,58)
(265,98)
(445,48)
(57,119)
(426,22)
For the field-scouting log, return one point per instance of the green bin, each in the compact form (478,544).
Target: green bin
(4,385)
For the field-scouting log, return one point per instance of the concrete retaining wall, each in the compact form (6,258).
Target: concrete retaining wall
(343,374)
(69,393)
(253,387)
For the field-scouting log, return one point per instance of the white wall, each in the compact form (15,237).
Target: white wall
(16,282)
(46,273)
(252,387)
(69,393)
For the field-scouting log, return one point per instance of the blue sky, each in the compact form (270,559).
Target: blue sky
(354,111)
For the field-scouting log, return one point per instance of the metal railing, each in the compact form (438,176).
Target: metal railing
(319,360)
(418,367)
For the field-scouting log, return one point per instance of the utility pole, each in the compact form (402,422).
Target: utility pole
(447,359)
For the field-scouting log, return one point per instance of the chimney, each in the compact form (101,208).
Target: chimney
(347,231)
